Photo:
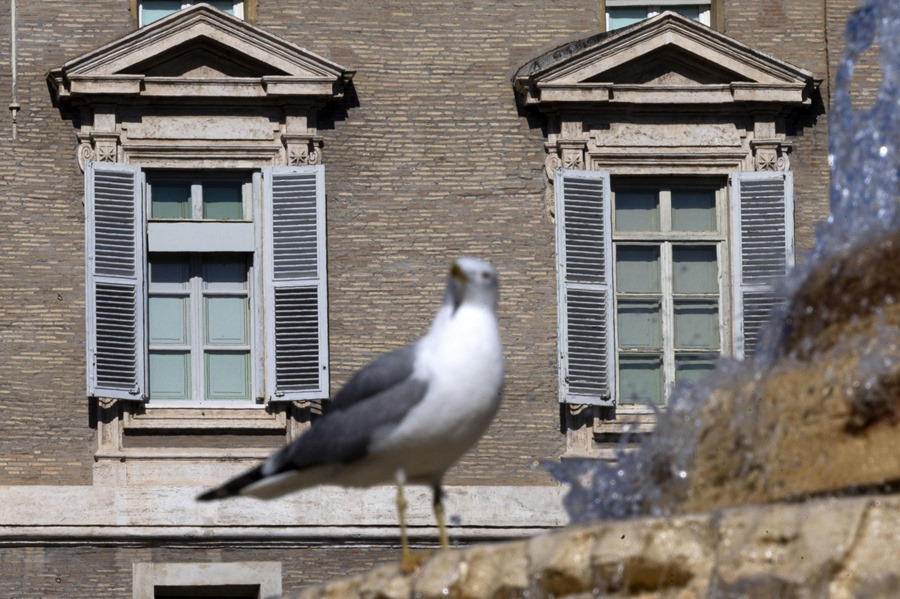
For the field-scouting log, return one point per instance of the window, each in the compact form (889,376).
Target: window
(658,278)
(206,288)
(150,11)
(235,580)
(621,13)
(667,241)
(199,328)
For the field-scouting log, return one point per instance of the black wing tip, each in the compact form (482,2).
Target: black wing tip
(232,488)
(215,494)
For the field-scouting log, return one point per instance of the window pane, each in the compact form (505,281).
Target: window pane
(640,379)
(227,5)
(692,368)
(169,321)
(697,324)
(228,375)
(170,200)
(169,272)
(170,375)
(695,269)
(624,16)
(691,12)
(227,320)
(224,274)
(637,210)
(637,269)
(694,210)
(639,324)
(154,10)
(222,201)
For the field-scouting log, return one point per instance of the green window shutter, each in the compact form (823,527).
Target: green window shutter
(114,244)
(583,254)
(762,214)
(295,283)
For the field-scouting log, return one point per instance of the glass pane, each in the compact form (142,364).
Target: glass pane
(228,375)
(637,210)
(639,324)
(695,269)
(691,368)
(227,5)
(640,379)
(170,200)
(222,201)
(691,12)
(154,10)
(637,269)
(227,320)
(694,210)
(225,274)
(624,16)
(169,321)
(697,324)
(170,375)
(169,272)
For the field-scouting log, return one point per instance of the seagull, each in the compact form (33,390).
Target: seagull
(408,416)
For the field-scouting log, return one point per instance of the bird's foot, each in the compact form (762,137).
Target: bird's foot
(413,560)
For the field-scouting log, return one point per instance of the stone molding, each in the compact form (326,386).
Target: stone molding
(66,514)
(199,88)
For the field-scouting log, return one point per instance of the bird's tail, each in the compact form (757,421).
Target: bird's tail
(232,487)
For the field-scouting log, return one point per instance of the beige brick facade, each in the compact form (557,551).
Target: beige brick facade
(427,157)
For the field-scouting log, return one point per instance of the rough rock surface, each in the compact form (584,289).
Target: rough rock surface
(826,416)
(836,547)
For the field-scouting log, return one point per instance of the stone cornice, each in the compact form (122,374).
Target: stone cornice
(121,69)
(585,71)
(65,514)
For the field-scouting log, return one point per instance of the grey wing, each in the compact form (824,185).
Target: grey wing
(383,373)
(346,435)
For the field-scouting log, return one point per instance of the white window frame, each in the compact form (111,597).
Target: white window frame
(265,576)
(665,239)
(298,275)
(197,347)
(238,9)
(655,7)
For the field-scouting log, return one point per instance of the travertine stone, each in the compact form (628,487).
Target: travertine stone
(835,547)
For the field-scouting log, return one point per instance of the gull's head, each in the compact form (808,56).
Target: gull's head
(472,281)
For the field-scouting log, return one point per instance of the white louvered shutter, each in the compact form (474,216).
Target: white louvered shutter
(762,213)
(295,281)
(583,253)
(114,243)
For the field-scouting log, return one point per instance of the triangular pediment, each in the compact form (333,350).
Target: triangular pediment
(201,49)
(657,59)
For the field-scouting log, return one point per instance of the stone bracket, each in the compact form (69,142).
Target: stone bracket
(771,154)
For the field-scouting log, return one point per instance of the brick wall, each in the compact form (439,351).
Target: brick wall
(428,160)
(89,572)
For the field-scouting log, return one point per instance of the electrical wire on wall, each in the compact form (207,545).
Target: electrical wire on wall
(14,105)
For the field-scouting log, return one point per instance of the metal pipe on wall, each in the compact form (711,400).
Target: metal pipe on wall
(14,106)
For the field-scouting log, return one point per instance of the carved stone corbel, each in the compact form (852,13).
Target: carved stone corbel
(303,150)
(770,154)
(100,147)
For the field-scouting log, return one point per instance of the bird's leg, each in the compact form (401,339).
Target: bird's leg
(438,495)
(405,554)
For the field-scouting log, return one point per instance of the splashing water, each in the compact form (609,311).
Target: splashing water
(863,156)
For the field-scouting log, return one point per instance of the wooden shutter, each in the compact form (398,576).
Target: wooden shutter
(583,253)
(762,213)
(295,281)
(114,244)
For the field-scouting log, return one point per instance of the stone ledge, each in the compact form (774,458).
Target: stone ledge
(64,514)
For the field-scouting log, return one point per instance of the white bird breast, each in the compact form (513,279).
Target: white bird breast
(462,360)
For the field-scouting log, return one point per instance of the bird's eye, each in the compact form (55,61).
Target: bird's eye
(485,276)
